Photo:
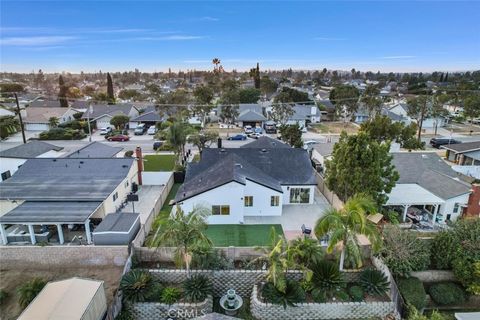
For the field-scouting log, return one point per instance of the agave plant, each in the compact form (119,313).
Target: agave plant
(170,295)
(136,285)
(197,288)
(293,294)
(327,280)
(29,290)
(374,282)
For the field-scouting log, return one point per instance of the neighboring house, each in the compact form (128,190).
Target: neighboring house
(37,118)
(395,117)
(265,142)
(234,183)
(12,159)
(361,115)
(67,194)
(428,183)
(329,110)
(101,114)
(304,115)
(464,154)
(401,109)
(320,153)
(73,298)
(95,150)
(6,113)
(45,104)
(249,114)
(150,118)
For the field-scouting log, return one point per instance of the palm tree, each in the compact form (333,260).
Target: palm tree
(346,224)
(53,122)
(177,138)
(216,63)
(182,231)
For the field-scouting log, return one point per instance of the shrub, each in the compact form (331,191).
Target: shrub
(3,296)
(62,134)
(29,290)
(374,282)
(447,293)
(327,280)
(413,291)
(211,259)
(155,293)
(356,292)
(136,285)
(125,314)
(128,154)
(293,294)
(443,250)
(170,295)
(197,288)
(391,216)
(403,252)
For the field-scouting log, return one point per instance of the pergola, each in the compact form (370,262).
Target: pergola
(31,213)
(407,195)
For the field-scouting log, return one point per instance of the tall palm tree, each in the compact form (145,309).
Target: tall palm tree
(346,224)
(177,137)
(182,231)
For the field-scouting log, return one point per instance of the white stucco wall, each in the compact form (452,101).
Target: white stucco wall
(447,208)
(286,194)
(261,200)
(109,205)
(10,164)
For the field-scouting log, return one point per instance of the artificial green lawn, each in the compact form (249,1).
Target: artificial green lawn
(251,235)
(166,208)
(159,162)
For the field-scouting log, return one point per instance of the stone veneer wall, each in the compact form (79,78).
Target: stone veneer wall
(331,310)
(156,310)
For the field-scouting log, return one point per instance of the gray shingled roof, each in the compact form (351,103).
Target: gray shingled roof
(463,147)
(328,104)
(429,171)
(117,222)
(265,142)
(269,167)
(29,150)
(249,115)
(45,104)
(51,212)
(66,179)
(95,150)
(304,112)
(152,116)
(325,149)
(393,116)
(99,110)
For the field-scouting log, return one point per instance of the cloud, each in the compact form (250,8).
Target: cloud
(398,57)
(208,19)
(35,41)
(176,37)
(329,39)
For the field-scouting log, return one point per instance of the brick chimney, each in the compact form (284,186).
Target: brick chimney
(473,209)
(139,156)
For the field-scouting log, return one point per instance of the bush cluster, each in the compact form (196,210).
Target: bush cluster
(413,292)
(62,134)
(447,293)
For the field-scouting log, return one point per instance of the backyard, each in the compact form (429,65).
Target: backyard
(159,162)
(166,208)
(225,235)
(334,127)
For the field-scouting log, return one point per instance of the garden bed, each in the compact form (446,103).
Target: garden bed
(180,310)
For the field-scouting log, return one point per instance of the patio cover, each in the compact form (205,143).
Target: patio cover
(411,194)
(50,212)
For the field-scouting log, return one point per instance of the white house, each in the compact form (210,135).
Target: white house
(428,183)
(320,153)
(248,181)
(37,118)
(12,159)
(401,110)
(101,114)
(305,114)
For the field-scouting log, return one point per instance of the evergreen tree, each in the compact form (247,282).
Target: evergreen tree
(62,93)
(110,94)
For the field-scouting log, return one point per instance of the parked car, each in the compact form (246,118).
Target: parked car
(258,130)
(152,130)
(309,144)
(248,129)
(157,145)
(238,137)
(106,130)
(140,129)
(438,142)
(118,137)
(255,135)
(270,127)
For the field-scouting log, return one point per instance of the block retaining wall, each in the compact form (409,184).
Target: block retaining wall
(332,310)
(156,310)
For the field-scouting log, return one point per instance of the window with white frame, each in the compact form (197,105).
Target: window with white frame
(456,207)
(221,210)
(248,201)
(274,201)
(115,196)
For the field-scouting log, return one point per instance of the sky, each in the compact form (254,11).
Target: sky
(398,36)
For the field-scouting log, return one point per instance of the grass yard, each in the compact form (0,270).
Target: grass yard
(159,162)
(224,235)
(334,127)
(165,211)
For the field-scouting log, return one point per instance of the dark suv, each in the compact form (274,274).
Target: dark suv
(438,142)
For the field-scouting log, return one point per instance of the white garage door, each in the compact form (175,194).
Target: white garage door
(103,124)
(37,127)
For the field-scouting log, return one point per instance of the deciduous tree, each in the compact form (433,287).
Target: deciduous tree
(292,134)
(345,100)
(119,121)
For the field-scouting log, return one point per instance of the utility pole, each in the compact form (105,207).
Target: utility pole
(20,118)
(88,122)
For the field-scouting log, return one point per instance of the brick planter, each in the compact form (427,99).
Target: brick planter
(330,310)
(156,310)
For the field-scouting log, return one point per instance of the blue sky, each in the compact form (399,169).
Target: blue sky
(155,35)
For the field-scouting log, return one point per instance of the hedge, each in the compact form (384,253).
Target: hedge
(447,293)
(413,291)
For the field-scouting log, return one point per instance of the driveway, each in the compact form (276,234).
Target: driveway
(147,196)
(294,216)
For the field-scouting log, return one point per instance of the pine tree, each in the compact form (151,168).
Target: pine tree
(446,77)
(110,94)
(441,77)
(62,93)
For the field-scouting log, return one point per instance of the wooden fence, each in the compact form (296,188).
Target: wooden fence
(331,197)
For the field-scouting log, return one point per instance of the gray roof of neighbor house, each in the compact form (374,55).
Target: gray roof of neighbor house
(45,104)
(29,150)
(429,171)
(152,116)
(463,147)
(392,115)
(95,150)
(325,149)
(99,110)
(117,222)
(51,212)
(271,168)
(328,104)
(66,179)
(265,142)
(304,112)
(249,115)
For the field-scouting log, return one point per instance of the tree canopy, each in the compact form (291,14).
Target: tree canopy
(292,135)
(360,164)
(345,96)
(249,95)
(119,121)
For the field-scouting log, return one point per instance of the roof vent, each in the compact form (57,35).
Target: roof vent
(124,166)
(238,165)
(54,160)
(424,156)
(81,162)
(264,150)
(223,150)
